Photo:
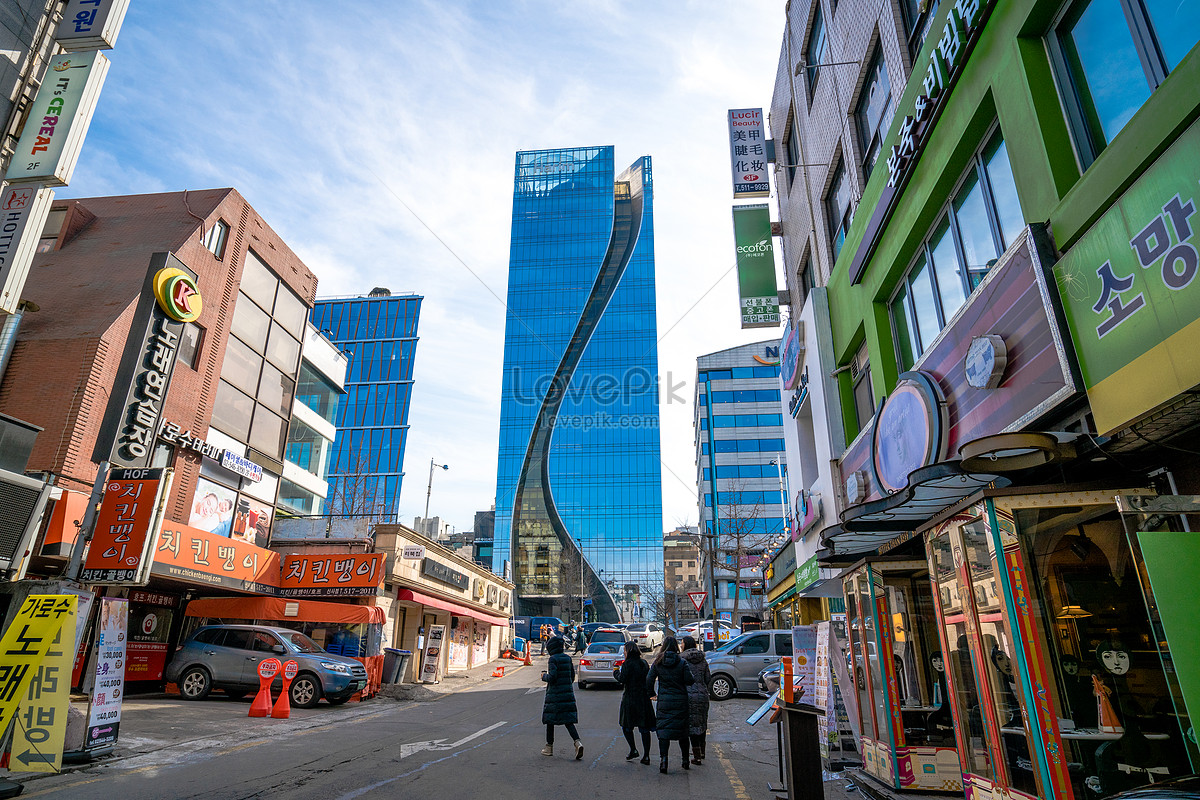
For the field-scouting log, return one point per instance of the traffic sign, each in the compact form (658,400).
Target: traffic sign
(698,599)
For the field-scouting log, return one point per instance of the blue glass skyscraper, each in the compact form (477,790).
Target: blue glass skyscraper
(579,472)
(366,463)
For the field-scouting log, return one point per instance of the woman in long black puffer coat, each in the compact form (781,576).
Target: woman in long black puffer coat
(559,707)
(697,697)
(673,677)
(636,709)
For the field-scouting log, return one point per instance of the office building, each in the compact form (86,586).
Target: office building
(434,528)
(579,471)
(378,333)
(685,569)
(740,452)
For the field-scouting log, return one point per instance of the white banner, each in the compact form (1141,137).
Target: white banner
(430,665)
(105,716)
(748,153)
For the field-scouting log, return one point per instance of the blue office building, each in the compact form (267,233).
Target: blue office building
(578,492)
(378,334)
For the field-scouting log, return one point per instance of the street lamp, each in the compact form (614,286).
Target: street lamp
(429,492)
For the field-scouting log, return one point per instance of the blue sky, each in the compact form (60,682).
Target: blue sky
(332,117)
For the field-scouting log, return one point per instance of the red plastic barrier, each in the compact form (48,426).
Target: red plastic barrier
(268,668)
(283,706)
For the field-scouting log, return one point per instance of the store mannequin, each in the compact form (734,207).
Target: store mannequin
(939,723)
(1132,760)
(1077,690)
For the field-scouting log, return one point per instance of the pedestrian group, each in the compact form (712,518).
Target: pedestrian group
(678,681)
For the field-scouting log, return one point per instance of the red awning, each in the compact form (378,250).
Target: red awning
(453,608)
(275,608)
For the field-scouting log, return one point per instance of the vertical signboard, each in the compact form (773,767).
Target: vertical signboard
(104,718)
(134,411)
(150,615)
(1130,293)
(432,660)
(29,637)
(126,527)
(804,655)
(748,153)
(23,211)
(58,120)
(757,289)
(37,744)
(90,24)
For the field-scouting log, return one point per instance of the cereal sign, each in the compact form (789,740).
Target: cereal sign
(330,575)
(129,516)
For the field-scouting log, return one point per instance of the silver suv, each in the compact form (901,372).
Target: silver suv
(735,665)
(227,657)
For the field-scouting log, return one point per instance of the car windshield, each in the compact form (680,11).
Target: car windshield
(605,647)
(608,636)
(638,627)
(300,643)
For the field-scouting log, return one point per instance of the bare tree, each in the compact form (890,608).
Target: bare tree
(575,584)
(358,493)
(741,538)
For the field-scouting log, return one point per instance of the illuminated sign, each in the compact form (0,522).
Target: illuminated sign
(178,295)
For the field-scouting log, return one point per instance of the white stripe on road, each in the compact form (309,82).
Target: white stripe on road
(435,745)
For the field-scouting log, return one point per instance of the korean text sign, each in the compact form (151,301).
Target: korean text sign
(184,552)
(1130,293)
(331,575)
(109,688)
(120,549)
(431,663)
(41,728)
(748,153)
(23,649)
(757,289)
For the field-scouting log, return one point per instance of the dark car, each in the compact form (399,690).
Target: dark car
(227,657)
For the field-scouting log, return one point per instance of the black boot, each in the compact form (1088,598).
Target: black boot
(646,759)
(662,765)
(685,760)
(632,755)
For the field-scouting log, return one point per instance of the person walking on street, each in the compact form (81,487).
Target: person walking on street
(636,709)
(580,644)
(671,720)
(559,707)
(543,636)
(697,697)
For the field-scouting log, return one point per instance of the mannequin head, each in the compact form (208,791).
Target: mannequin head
(1070,665)
(937,662)
(1114,657)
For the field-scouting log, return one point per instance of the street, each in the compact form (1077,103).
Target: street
(481,741)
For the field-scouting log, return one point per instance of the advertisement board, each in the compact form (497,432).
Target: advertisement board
(186,553)
(804,657)
(120,552)
(58,120)
(30,635)
(757,289)
(149,634)
(432,659)
(104,718)
(748,153)
(331,575)
(90,24)
(37,743)
(1130,294)
(23,212)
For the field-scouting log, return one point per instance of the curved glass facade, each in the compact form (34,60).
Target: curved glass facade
(579,470)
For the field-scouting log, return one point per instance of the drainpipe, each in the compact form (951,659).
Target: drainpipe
(8,333)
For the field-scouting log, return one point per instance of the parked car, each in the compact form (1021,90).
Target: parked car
(531,627)
(648,635)
(598,661)
(227,657)
(591,627)
(1182,788)
(609,635)
(702,631)
(770,679)
(736,664)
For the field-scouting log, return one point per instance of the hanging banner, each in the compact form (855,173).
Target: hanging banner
(37,744)
(109,688)
(58,120)
(748,153)
(29,637)
(757,289)
(431,663)
(130,514)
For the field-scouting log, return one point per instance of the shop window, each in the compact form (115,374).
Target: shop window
(982,218)
(814,52)
(837,209)
(1111,55)
(214,240)
(860,382)
(874,112)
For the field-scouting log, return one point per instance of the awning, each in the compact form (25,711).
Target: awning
(277,608)
(446,605)
(823,587)
(788,595)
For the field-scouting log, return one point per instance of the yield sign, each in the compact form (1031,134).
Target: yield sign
(698,599)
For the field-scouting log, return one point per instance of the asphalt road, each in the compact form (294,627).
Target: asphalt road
(481,742)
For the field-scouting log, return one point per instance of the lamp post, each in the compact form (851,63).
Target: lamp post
(429,493)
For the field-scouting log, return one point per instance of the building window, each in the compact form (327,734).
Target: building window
(917,16)
(814,53)
(189,345)
(837,209)
(1111,55)
(214,240)
(875,109)
(982,218)
(860,381)
(793,150)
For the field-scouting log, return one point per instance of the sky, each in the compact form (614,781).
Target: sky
(378,139)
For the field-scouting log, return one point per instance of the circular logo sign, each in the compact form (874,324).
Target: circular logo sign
(789,364)
(149,623)
(290,668)
(909,431)
(178,295)
(268,668)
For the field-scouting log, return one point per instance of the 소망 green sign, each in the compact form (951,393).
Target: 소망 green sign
(757,289)
(1130,292)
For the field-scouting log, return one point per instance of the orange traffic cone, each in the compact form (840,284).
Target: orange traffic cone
(528,648)
(283,706)
(267,669)
(498,672)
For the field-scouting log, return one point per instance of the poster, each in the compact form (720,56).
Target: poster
(212,508)
(120,550)
(431,663)
(460,642)
(827,722)
(37,743)
(28,638)
(105,716)
(479,644)
(804,657)
(149,629)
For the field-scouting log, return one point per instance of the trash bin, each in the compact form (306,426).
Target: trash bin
(395,662)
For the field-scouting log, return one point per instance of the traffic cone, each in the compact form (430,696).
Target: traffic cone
(261,706)
(498,672)
(528,660)
(283,706)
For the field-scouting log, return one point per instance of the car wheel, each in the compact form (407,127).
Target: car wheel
(195,684)
(583,684)
(236,694)
(305,691)
(721,687)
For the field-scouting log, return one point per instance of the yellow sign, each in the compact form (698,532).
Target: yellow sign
(178,295)
(37,744)
(25,644)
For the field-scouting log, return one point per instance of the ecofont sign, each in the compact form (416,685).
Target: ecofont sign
(757,289)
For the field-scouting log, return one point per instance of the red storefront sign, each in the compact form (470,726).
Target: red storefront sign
(331,575)
(124,527)
(196,556)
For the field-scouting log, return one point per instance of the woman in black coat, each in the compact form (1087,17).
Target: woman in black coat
(697,697)
(673,676)
(559,707)
(636,709)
